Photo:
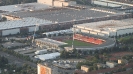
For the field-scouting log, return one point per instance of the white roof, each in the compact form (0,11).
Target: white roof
(23,7)
(48,56)
(105,4)
(29,21)
(51,41)
(114,2)
(60,31)
(108,25)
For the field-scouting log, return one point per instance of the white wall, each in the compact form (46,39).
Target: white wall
(84,31)
(32,29)
(12,31)
(38,69)
(92,32)
(57,3)
(48,2)
(124,31)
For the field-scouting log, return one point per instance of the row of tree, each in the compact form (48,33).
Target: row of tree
(15,54)
(3,61)
(13,69)
(72,54)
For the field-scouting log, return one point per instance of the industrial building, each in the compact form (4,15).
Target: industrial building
(112,4)
(42,69)
(49,43)
(49,56)
(58,18)
(57,3)
(23,25)
(51,68)
(109,28)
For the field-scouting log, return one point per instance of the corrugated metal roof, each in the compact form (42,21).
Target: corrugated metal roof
(29,21)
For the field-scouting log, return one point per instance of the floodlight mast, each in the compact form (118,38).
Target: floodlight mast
(73,34)
(34,33)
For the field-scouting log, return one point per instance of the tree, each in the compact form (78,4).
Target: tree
(3,19)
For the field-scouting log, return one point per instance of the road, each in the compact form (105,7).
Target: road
(17,61)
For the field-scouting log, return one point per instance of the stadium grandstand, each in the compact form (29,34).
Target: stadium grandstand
(109,28)
(49,43)
(88,39)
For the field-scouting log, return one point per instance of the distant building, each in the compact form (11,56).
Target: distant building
(122,61)
(100,65)
(107,28)
(49,43)
(42,69)
(17,25)
(51,69)
(111,64)
(85,68)
(57,3)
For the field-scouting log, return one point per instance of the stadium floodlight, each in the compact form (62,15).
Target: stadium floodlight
(34,32)
(73,33)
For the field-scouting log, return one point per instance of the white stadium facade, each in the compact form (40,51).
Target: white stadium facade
(109,28)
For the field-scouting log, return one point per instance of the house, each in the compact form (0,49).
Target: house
(100,65)
(85,68)
(122,61)
(111,64)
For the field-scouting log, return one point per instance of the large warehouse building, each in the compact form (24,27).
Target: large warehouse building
(24,25)
(58,18)
(107,28)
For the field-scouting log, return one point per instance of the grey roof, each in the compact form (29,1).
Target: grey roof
(23,7)
(108,26)
(29,21)
(51,41)
(66,14)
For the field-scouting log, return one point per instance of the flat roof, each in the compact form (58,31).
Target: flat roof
(51,41)
(23,7)
(48,56)
(108,25)
(28,21)
(67,14)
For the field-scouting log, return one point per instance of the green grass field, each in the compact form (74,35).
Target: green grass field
(77,43)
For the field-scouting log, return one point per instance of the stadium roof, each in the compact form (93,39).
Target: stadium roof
(48,56)
(67,14)
(60,31)
(29,21)
(51,41)
(109,25)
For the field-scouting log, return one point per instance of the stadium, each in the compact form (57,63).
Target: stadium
(32,17)
(47,18)
(95,35)
(109,28)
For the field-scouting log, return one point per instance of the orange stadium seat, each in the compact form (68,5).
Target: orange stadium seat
(88,39)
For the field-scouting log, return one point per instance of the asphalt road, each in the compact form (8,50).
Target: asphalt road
(17,61)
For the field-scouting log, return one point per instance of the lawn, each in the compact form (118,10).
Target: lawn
(77,43)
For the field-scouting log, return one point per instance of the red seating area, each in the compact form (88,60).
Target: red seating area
(88,39)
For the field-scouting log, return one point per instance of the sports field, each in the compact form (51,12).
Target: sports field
(77,43)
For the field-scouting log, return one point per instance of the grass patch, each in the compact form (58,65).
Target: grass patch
(77,43)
